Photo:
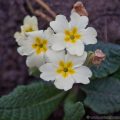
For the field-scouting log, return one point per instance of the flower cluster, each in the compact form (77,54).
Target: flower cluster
(59,51)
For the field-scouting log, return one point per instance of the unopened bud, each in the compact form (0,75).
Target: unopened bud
(80,9)
(98,57)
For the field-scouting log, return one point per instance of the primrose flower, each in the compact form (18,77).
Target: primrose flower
(30,24)
(65,70)
(72,35)
(36,47)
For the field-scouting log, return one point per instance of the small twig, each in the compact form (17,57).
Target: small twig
(37,12)
(80,9)
(105,32)
(30,6)
(44,16)
(44,5)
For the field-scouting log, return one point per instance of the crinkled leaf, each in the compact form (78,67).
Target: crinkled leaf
(32,102)
(103,96)
(73,109)
(112,61)
(117,74)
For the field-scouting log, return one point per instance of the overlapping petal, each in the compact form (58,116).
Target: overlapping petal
(82,75)
(60,23)
(76,48)
(55,56)
(35,60)
(89,36)
(77,61)
(64,84)
(58,42)
(80,21)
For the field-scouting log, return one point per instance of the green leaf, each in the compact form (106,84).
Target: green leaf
(112,61)
(32,102)
(34,71)
(103,96)
(73,110)
(117,74)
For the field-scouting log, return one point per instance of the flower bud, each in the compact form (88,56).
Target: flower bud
(80,9)
(98,57)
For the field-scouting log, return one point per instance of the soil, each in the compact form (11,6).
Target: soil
(104,16)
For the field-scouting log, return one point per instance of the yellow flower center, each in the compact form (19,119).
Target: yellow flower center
(28,28)
(40,45)
(72,35)
(65,68)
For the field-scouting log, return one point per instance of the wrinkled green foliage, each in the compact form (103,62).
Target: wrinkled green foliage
(33,102)
(74,110)
(117,74)
(103,95)
(112,61)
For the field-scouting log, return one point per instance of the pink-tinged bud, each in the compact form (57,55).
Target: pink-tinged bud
(80,9)
(98,57)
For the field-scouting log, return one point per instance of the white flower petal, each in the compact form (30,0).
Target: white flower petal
(54,56)
(25,50)
(77,60)
(76,48)
(47,68)
(48,76)
(58,42)
(48,71)
(30,20)
(34,20)
(49,33)
(35,60)
(78,21)
(64,83)
(26,19)
(26,47)
(80,79)
(82,75)
(35,34)
(85,71)
(89,36)
(60,23)
(90,41)
(20,38)
(29,23)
